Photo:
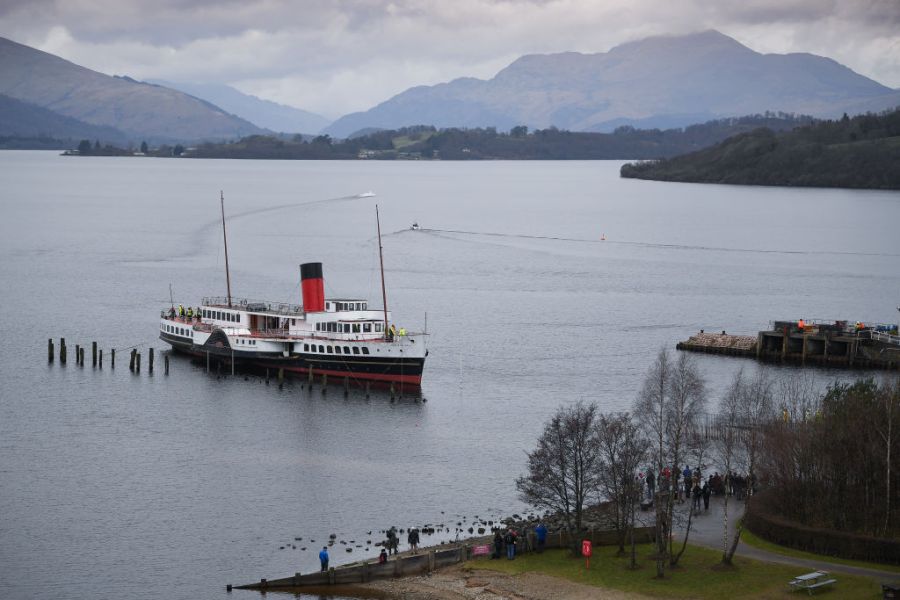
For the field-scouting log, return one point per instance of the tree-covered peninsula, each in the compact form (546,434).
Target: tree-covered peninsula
(519,143)
(858,152)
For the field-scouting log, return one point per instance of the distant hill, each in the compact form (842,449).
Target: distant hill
(862,152)
(23,121)
(657,82)
(263,113)
(141,111)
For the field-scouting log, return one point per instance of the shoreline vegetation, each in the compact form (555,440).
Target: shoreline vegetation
(772,149)
(429,143)
(858,152)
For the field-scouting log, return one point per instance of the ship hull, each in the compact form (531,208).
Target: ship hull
(378,369)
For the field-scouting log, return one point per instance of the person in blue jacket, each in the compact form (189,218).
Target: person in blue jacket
(540,532)
(323,558)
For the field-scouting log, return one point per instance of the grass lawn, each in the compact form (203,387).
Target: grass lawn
(699,575)
(403,141)
(757,542)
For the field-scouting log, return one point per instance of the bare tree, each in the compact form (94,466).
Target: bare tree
(686,400)
(889,402)
(757,413)
(671,398)
(564,468)
(697,451)
(728,443)
(650,409)
(622,450)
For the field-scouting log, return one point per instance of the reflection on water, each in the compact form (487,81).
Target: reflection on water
(139,486)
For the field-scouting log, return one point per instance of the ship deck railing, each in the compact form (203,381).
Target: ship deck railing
(256,306)
(199,325)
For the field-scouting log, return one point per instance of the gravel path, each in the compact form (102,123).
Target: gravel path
(706,530)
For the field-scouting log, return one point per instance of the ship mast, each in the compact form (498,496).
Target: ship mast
(381,262)
(225,239)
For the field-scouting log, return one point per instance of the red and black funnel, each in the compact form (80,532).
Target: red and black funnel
(313,287)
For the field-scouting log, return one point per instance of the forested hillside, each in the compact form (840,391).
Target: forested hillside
(858,152)
(426,142)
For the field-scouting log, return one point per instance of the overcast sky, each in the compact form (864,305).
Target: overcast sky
(338,56)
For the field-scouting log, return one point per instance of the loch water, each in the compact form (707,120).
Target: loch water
(122,486)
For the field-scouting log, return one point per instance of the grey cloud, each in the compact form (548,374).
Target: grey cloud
(350,54)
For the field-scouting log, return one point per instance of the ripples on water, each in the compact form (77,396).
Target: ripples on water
(119,486)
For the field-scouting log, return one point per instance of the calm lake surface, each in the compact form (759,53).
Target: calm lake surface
(121,486)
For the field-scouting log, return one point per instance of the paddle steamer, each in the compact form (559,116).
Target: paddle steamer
(338,337)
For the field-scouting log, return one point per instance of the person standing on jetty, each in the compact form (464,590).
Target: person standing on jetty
(413,539)
(510,540)
(498,544)
(323,558)
(540,532)
(392,540)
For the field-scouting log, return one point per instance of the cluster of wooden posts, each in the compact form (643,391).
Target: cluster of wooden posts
(134,362)
(324,382)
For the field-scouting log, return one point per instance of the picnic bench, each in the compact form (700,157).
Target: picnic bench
(811,582)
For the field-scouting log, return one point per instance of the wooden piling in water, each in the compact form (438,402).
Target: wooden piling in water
(280,376)
(137,362)
(346,386)
(131,360)
(325,383)
(368,383)
(93,354)
(267,377)
(100,359)
(166,363)
(77,354)
(50,350)
(150,361)
(112,358)
(81,356)
(62,350)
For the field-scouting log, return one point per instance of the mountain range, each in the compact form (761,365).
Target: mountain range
(139,110)
(264,113)
(658,82)
(666,81)
(23,120)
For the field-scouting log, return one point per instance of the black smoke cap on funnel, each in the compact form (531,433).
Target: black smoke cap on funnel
(311,270)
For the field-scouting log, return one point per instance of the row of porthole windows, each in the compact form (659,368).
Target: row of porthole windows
(348,327)
(247,342)
(177,330)
(334,349)
(220,315)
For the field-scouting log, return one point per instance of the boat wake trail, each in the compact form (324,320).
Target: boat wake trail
(639,244)
(202,237)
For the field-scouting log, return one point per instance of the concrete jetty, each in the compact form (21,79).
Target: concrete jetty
(823,343)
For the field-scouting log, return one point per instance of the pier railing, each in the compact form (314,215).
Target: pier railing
(886,338)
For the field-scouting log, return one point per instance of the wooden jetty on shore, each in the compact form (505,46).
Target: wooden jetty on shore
(426,561)
(822,343)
